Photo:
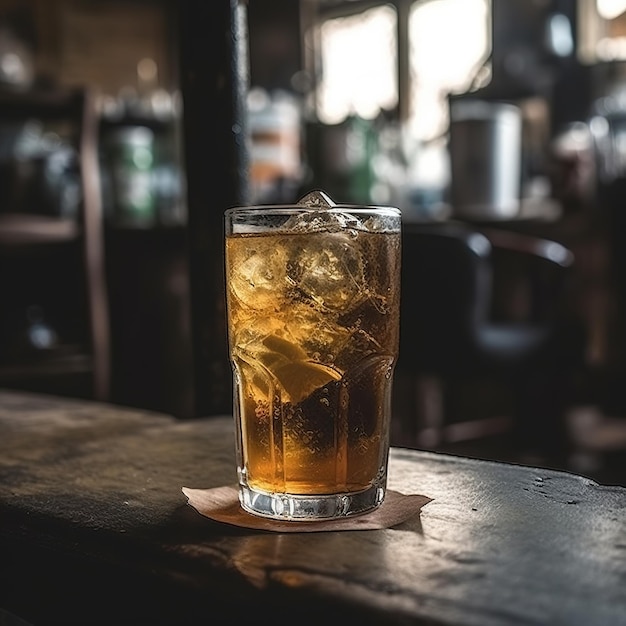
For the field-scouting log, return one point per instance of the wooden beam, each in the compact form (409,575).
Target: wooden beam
(214,81)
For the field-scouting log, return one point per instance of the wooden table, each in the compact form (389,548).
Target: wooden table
(94,529)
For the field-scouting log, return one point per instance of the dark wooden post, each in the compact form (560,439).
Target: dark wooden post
(214,81)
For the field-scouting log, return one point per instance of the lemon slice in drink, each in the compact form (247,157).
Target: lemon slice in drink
(283,348)
(299,379)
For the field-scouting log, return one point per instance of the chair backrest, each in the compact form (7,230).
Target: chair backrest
(446,294)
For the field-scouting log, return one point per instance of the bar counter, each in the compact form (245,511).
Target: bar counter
(95,529)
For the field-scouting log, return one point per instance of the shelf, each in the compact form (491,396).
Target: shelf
(154,123)
(44,103)
(46,367)
(18,229)
(30,237)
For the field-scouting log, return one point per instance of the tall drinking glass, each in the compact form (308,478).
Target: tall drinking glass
(313,295)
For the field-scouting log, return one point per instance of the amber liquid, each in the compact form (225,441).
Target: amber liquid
(313,331)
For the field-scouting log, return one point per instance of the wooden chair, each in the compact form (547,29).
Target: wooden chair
(454,331)
(26,233)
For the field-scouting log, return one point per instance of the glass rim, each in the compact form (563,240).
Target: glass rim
(289,209)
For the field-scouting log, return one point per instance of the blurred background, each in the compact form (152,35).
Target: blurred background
(504,117)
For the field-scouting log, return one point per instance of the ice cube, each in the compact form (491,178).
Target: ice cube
(318,333)
(260,279)
(359,345)
(317,199)
(324,221)
(323,216)
(329,271)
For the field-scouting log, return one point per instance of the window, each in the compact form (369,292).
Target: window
(449,42)
(359,65)
(445,46)
(603,30)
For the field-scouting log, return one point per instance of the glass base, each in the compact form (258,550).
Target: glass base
(310,508)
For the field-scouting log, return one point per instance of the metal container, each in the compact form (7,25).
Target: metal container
(485,159)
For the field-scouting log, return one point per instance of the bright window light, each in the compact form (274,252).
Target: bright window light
(610,9)
(359,65)
(450,41)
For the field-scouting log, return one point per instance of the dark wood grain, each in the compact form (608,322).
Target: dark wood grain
(95,529)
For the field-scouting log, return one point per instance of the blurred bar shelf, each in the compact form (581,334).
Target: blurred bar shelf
(57,262)
(43,103)
(18,229)
(61,363)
